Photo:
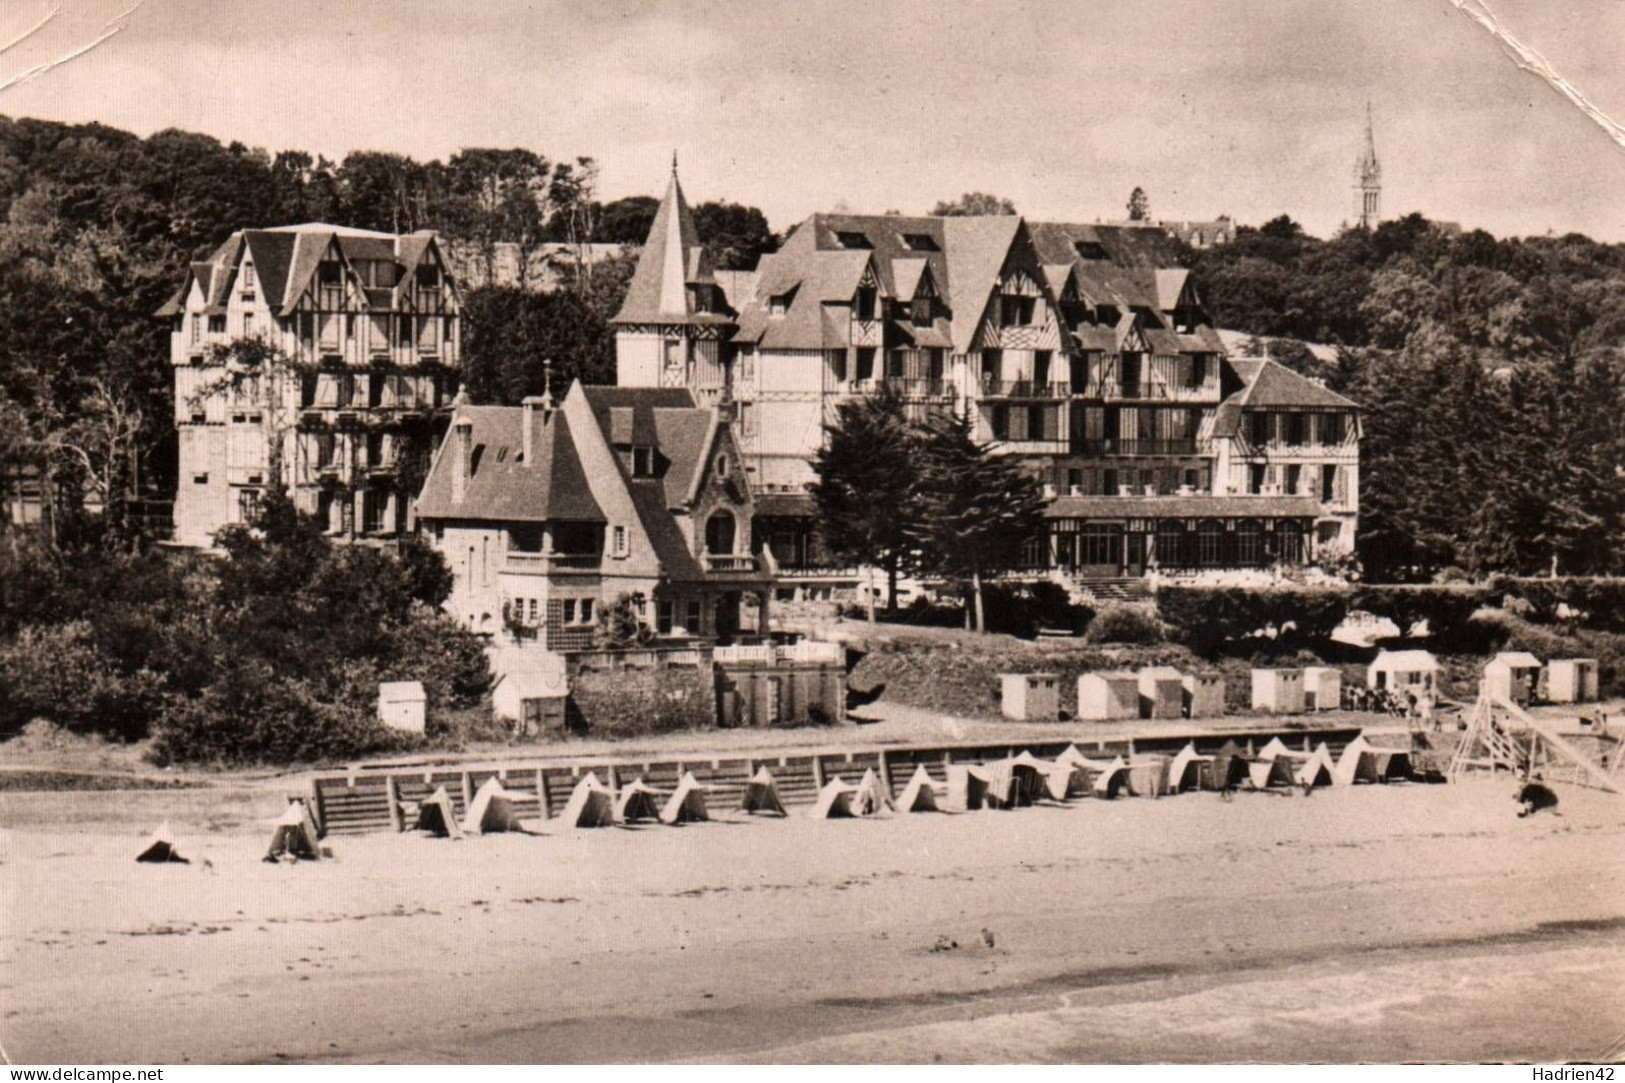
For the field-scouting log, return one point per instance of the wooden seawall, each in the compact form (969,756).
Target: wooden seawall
(365,798)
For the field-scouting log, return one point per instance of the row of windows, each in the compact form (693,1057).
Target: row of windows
(528,611)
(1210,545)
(1296,428)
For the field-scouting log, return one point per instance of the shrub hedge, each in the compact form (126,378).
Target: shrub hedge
(1208,619)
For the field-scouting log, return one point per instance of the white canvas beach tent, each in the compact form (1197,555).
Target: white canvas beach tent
(1022,779)
(493,809)
(872,796)
(1276,771)
(294,835)
(1104,778)
(968,785)
(1185,768)
(686,805)
(161,847)
(835,800)
(1148,776)
(638,802)
(762,795)
(591,804)
(437,815)
(1318,768)
(922,792)
(1363,762)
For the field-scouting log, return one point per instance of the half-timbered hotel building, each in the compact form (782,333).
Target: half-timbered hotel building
(1084,349)
(365,332)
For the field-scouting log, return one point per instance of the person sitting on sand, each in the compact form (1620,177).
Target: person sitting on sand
(1534,796)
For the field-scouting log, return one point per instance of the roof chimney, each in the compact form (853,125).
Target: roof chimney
(536,409)
(462,445)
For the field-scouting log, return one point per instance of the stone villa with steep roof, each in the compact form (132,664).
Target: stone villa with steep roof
(548,513)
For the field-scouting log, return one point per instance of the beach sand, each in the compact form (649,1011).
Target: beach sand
(1400,922)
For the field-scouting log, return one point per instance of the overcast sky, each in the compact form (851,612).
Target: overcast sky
(1246,107)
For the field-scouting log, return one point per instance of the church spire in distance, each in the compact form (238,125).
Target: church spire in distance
(1368,179)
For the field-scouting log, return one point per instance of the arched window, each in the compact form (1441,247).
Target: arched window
(719,533)
(1210,543)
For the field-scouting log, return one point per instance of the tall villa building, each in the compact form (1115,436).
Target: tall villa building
(1368,180)
(365,329)
(1083,349)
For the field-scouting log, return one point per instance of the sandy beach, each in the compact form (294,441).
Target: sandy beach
(1401,922)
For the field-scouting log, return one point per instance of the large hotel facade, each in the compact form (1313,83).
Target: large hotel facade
(1084,349)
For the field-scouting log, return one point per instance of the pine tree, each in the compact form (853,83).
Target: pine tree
(977,510)
(866,484)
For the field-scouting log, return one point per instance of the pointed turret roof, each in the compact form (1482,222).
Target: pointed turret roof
(671,261)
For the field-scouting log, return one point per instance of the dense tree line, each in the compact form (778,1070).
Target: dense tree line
(1491,377)
(97,227)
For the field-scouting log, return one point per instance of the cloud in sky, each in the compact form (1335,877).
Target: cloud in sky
(1250,107)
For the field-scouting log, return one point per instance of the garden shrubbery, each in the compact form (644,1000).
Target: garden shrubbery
(1210,619)
(1125,624)
(271,655)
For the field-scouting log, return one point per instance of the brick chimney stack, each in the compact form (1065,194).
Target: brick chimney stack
(462,452)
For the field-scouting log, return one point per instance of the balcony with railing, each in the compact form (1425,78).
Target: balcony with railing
(1024,389)
(919,388)
(526,563)
(1115,446)
(728,562)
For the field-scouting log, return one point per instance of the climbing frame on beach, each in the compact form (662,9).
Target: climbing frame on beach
(1501,736)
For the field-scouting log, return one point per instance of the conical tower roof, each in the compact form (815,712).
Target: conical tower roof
(672,260)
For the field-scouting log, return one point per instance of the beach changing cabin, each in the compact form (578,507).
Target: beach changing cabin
(1512,675)
(1107,695)
(1030,697)
(531,693)
(1572,680)
(1278,691)
(1416,672)
(402,705)
(1162,692)
(1204,695)
(1322,688)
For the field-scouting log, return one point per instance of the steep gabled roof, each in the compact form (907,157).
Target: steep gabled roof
(504,487)
(977,249)
(1276,385)
(272,255)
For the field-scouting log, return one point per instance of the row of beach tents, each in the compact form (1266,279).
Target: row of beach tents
(1014,782)
(1017,781)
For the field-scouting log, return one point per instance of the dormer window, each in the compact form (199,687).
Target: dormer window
(1092,250)
(643,461)
(920,242)
(863,305)
(703,301)
(922,312)
(779,304)
(248,282)
(853,239)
